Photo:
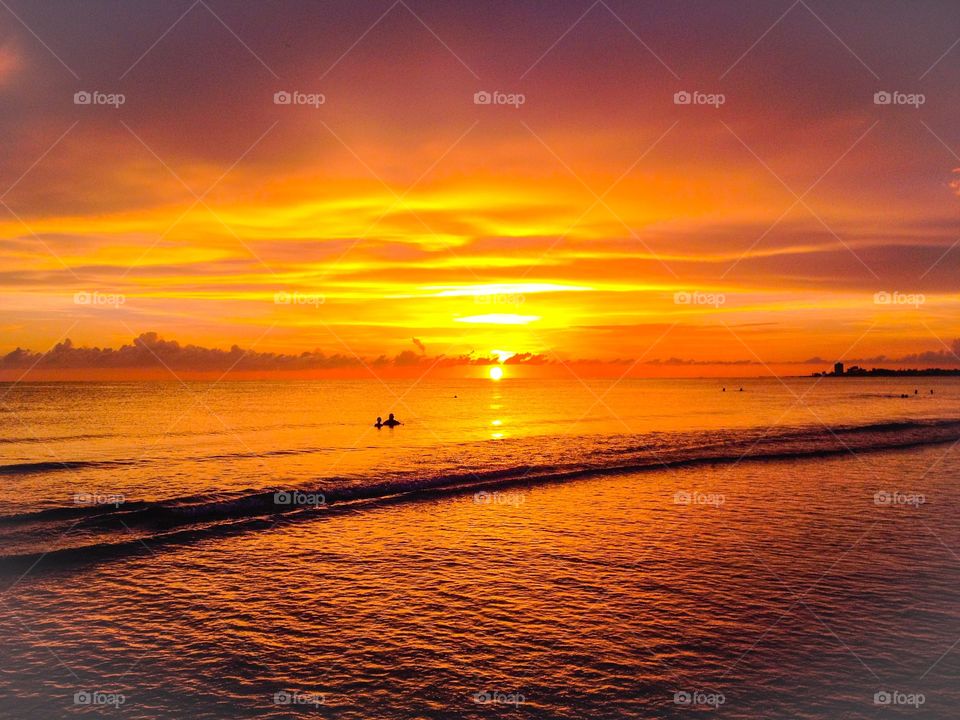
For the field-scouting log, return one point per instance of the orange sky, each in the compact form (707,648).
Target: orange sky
(598,220)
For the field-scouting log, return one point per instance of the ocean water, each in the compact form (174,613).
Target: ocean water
(518,549)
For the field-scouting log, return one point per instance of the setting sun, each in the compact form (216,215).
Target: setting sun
(496,372)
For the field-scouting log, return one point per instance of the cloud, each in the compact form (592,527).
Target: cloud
(946,356)
(150,351)
(686,361)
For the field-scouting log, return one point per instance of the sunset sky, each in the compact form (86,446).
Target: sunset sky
(597,220)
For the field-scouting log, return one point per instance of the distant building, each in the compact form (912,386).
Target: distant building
(838,368)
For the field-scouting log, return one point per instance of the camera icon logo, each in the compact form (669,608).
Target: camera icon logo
(82,97)
(282,97)
(882,698)
(682,697)
(682,98)
(282,498)
(482,97)
(882,97)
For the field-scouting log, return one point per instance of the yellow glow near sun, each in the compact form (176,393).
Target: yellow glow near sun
(499,319)
(496,372)
(506,291)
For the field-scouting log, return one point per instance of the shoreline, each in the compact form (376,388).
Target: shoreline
(352,500)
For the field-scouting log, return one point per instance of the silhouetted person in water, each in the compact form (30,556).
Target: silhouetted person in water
(391,421)
(379,423)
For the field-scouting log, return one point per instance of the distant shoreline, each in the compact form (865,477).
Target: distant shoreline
(282,378)
(888,372)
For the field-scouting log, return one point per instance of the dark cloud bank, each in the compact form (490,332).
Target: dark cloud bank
(149,350)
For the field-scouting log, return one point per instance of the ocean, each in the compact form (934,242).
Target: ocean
(562,549)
